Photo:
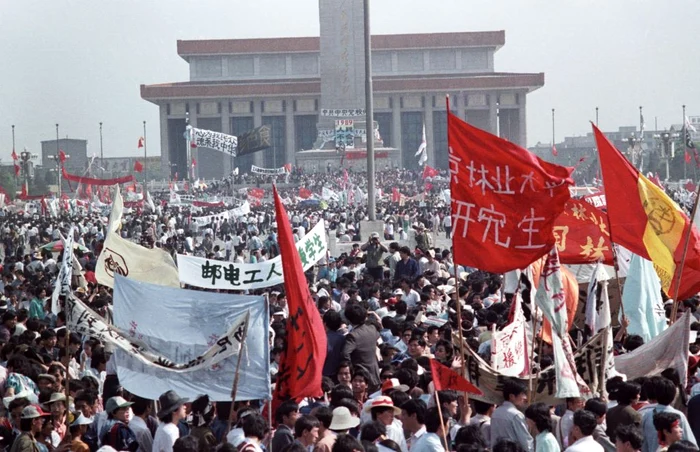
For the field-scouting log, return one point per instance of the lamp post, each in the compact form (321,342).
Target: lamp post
(102,157)
(369,121)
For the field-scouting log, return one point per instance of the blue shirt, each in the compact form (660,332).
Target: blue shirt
(409,269)
(651,438)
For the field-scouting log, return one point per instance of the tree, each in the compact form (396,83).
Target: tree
(7,181)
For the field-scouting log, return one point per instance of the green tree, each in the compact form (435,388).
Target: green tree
(7,181)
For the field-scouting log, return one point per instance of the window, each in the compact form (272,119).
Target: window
(240,65)
(443,60)
(385,121)
(273,65)
(381,62)
(475,60)
(239,126)
(411,137)
(275,156)
(305,131)
(410,61)
(304,64)
(208,67)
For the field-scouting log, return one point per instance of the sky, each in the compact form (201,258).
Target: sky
(81,62)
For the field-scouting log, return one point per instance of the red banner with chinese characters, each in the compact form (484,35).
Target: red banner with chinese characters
(505,200)
(301,366)
(582,234)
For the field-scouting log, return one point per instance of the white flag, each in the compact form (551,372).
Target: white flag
(551,299)
(122,257)
(65,274)
(509,346)
(422,150)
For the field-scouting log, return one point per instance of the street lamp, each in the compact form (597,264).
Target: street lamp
(664,145)
(27,167)
(57,158)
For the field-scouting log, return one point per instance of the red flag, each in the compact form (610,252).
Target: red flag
(138,167)
(288,167)
(88,191)
(257,193)
(687,156)
(62,156)
(304,193)
(141,142)
(194,162)
(429,171)
(690,186)
(395,195)
(554,150)
(446,378)
(301,366)
(17,169)
(193,145)
(24,191)
(505,200)
(583,234)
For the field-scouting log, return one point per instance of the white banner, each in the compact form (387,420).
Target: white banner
(83,320)
(213,274)
(65,274)
(122,257)
(182,325)
(267,171)
(243,209)
(509,354)
(551,299)
(668,349)
(214,140)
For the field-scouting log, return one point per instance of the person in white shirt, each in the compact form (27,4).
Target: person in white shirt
(383,410)
(432,440)
(172,410)
(582,433)
(413,419)
(566,423)
(137,424)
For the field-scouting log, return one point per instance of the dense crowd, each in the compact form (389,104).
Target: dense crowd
(387,308)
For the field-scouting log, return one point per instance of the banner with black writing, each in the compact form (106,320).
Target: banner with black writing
(214,274)
(268,171)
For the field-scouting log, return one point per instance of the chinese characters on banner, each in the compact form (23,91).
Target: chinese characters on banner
(509,346)
(344,134)
(343,112)
(232,214)
(505,200)
(213,274)
(214,140)
(582,234)
(268,171)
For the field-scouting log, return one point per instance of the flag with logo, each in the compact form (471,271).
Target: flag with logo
(123,257)
(505,200)
(649,223)
(551,300)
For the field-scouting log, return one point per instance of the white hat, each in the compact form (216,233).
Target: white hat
(382,401)
(81,420)
(343,420)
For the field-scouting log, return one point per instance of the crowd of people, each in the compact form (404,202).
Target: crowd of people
(387,308)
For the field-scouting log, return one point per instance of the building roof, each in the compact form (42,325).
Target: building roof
(186,49)
(277,88)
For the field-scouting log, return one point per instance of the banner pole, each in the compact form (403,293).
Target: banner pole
(442,422)
(676,301)
(234,389)
(532,352)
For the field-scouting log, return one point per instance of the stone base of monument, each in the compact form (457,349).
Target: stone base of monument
(368,227)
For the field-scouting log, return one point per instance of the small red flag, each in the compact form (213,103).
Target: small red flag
(446,378)
(141,142)
(429,171)
(14,155)
(301,367)
(17,168)
(138,167)
(193,145)
(505,200)
(194,163)
(687,156)
(690,186)
(554,151)
(288,167)
(257,193)
(62,156)
(395,195)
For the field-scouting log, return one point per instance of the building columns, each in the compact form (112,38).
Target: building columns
(257,122)
(396,124)
(165,157)
(290,139)
(522,121)
(429,132)
(493,113)
(226,128)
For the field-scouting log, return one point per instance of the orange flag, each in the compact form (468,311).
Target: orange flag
(301,366)
(446,378)
(647,222)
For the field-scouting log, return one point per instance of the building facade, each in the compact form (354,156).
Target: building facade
(75,148)
(290,84)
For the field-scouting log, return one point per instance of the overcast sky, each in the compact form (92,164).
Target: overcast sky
(79,62)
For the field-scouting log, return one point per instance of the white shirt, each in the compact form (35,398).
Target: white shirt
(585,444)
(395,433)
(143,434)
(413,439)
(430,442)
(166,435)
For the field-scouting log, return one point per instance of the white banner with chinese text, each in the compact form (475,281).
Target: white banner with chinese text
(509,353)
(214,274)
(183,326)
(214,140)
(268,171)
(243,209)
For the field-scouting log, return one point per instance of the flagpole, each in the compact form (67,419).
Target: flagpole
(14,153)
(532,352)
(439,407)
(676,301)
(145,163)
(596,116)
(369,120)
(102,157)
(457,282)
(553,142)
(234,389)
